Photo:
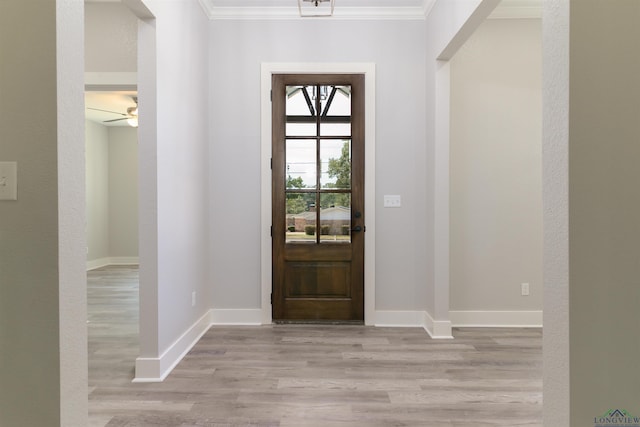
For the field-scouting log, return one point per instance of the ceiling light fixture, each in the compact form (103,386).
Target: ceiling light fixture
(316,8)
(132,112)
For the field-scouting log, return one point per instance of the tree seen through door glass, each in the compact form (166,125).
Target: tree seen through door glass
(335,159)
(301,158)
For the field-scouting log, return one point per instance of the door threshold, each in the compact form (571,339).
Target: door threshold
(319,322)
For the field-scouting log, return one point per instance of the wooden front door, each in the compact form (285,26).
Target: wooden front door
(318,198)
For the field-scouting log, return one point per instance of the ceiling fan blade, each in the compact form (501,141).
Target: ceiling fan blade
(115,120)
(106,111)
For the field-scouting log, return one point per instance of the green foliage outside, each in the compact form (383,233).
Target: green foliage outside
(340,169)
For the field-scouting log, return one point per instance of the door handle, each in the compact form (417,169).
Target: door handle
(356,228)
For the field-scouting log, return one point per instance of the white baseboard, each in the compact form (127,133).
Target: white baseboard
(97,263)
(103,262)
(236,316)
(156,369)
(125,260)
(436,329)
(498,319)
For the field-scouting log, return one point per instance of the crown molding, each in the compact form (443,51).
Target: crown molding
(340,13)
(508,9)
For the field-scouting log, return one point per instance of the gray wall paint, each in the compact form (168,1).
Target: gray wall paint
(604,208)
(112,192)
(43,365)
(496,168)
(236,51)
(30,373)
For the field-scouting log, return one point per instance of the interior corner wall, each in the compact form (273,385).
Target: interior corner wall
(111,194)
(496,168)
(448,25)
(97,190)
(123,193)
(237,49)
(604,209)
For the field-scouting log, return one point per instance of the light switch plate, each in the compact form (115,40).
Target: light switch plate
(392,201)
(8,181)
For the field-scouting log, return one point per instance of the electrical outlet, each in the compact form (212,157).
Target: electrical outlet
(193,299)
(524,288)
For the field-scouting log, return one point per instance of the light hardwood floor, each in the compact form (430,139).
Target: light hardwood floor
(310,375)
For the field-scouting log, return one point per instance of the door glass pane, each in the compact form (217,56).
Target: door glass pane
(335,129)
(335,100)
(335,158)
(301,167)
(300,101)
(335,217)
(305,129)
(335,119)
(301,217)
(300,111)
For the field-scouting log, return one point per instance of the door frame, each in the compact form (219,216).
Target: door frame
(267,70)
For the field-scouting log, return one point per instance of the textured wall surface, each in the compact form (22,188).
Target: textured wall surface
(604,208)
(555,145)
(42,299)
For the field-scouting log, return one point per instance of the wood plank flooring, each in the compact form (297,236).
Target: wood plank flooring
(310,375)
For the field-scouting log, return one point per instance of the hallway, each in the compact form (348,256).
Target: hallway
(310,375)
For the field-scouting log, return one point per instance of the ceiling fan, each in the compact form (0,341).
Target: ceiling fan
(131,116)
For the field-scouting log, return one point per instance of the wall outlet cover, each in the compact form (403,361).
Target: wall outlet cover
(392,201)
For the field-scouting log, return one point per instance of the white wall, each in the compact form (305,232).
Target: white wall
(555,194)
(97,190)
(111,36)
(123,193)
(174,171)
(449,24)
(112,194)
(496,168)
(237,49)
